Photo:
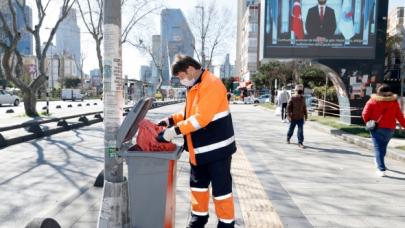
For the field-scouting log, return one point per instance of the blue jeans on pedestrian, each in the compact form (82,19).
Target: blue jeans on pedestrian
(381,137)
(300,134)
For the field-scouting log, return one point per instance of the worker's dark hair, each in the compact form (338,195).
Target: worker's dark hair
(182,62)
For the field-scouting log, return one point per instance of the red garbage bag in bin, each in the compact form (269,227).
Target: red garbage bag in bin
(146,139)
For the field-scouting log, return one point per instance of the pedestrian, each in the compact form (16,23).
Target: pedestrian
(282,100)
(297,114)
(207,128)
(384,110)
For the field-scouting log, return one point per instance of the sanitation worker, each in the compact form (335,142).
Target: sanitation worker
(206,125)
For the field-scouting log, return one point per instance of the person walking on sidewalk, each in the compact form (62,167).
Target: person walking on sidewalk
(282,100)
(384,109)
(207,128)
(297,114)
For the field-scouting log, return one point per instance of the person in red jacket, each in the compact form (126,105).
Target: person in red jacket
(383,108)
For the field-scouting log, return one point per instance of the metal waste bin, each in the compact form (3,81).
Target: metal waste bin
(151,176)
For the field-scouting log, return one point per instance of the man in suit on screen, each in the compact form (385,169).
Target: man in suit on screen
(320,22)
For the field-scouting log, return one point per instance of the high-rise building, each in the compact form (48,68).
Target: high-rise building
(227,70)
(242,6)
(249,43)
(68,37)
(156,63)
(176,38)
(25,46)
(95,78)
(145,73)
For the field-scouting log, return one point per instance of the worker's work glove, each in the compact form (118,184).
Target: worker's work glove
(164,122)
(167,135)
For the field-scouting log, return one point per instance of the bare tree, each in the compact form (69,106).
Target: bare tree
(12,61)
(210,28)
(80,65)
(156,56)
(91,12)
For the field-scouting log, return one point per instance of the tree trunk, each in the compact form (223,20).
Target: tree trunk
(30,103)
(100,63)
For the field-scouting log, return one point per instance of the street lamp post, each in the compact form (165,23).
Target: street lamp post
(202,35)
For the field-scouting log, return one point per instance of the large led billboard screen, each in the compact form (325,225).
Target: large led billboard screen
(340,29)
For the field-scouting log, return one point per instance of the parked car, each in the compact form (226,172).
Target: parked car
(265,98)
(7,98)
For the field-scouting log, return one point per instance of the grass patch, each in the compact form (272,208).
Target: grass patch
(334,122)
(354,129)
(45,114)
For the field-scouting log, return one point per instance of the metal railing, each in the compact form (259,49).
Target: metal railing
(329,108)
(37,128)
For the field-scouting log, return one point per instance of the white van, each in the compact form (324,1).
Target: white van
(71,94)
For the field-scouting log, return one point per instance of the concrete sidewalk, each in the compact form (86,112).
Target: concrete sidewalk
(331,183)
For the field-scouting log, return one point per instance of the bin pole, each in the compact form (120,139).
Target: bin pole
(114,207)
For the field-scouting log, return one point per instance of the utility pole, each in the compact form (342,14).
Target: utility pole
(202,35)
(114,208)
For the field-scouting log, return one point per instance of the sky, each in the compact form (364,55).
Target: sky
(132,59)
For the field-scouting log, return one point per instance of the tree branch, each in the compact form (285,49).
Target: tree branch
(134,19)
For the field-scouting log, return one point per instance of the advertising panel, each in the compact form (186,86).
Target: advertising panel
(331,29)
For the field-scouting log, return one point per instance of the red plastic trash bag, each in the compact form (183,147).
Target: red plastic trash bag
(146,139)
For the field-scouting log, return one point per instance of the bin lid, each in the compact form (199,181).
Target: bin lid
(129,126)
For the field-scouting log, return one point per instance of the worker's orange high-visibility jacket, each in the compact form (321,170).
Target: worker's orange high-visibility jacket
(206,122)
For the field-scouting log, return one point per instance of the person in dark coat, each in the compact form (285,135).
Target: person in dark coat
(320,22)
(297,115)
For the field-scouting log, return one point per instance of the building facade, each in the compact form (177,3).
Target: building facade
(68,37)
(176,38)
(249,43)
(396,22)
(52,65)
(156,63)
(95,78)
(242,7)
(396,27)
(145,74)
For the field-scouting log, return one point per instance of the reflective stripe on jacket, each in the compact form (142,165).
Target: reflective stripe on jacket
(207,124)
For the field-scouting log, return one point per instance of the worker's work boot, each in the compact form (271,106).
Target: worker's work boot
(226,225)
(197,221)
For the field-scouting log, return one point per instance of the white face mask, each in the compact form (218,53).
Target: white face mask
(187,82)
